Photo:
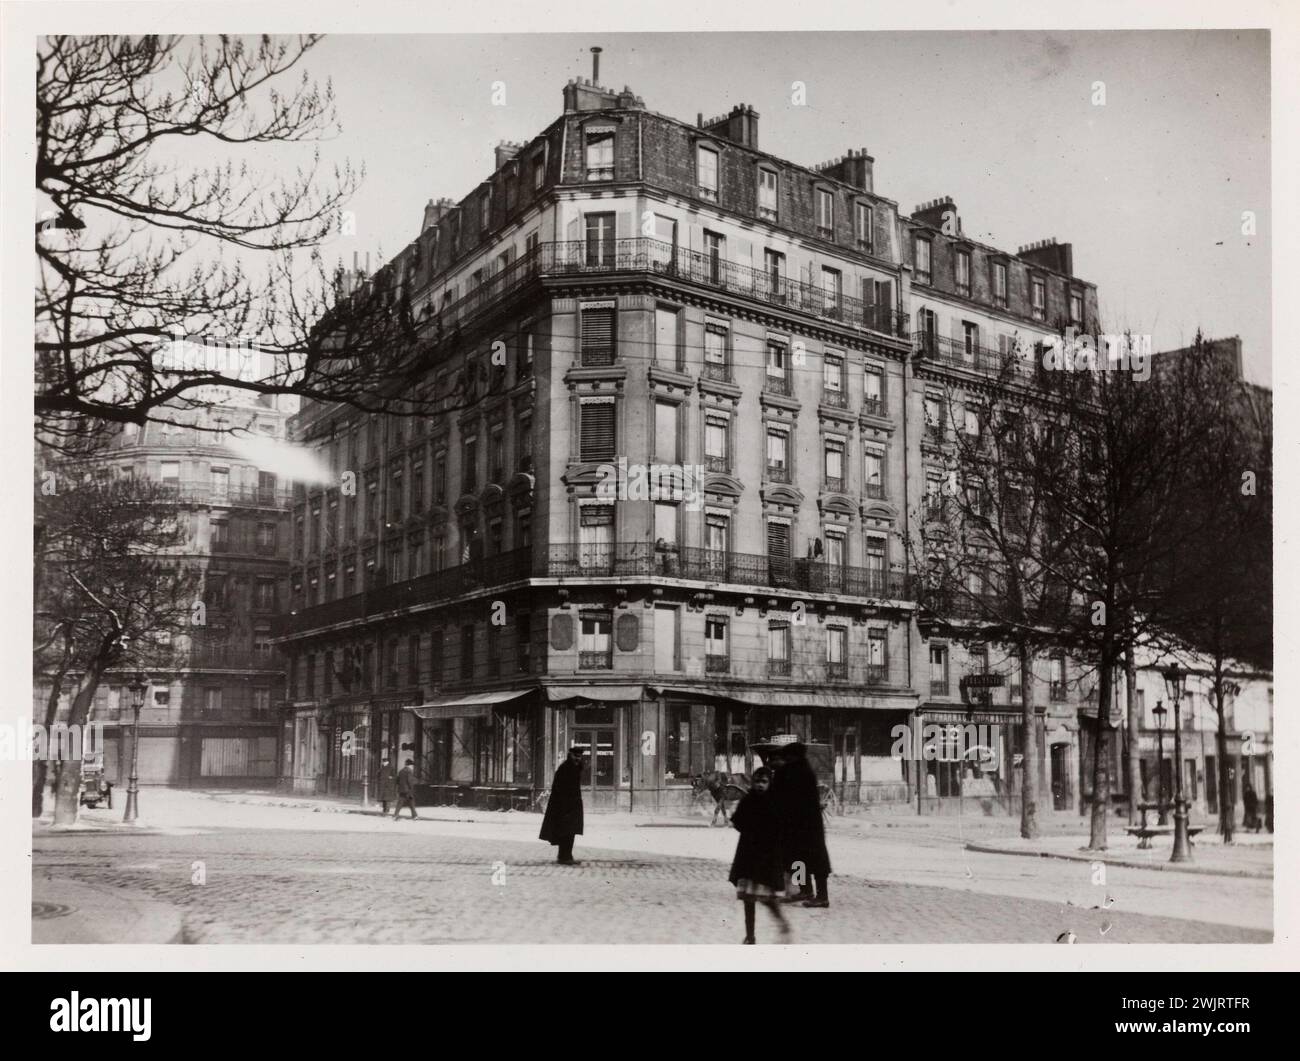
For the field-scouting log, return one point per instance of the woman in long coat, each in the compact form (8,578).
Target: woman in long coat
(803,832)
(387,784)
(563,818)
(757,870)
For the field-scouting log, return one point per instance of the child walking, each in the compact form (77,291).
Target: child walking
(756,870)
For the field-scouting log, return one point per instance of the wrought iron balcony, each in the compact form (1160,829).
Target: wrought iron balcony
(836,398)
(778,384)
(777,473)
(778,668)
(837,672)
(935,347)
(873,406)
(713,370)
(595,660)
(645,255)
(714,664)
(232,657)
(203,492)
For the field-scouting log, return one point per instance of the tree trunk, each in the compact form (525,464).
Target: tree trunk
(1227,796)
(1101,760)
(67,797)
(1029,742)
(41,767)
(1133,723)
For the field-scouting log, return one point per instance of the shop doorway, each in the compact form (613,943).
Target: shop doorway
(599,769)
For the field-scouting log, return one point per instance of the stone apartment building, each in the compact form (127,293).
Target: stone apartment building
(216,719)
(628,294)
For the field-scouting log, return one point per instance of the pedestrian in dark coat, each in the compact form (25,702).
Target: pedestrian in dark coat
(406,789)
(803,833)
(563,819)
(1250,801)
(757,870)
(387,784)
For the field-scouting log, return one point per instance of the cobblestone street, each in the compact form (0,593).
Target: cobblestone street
(360,879)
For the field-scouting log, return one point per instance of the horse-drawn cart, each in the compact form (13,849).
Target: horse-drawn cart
(718,793)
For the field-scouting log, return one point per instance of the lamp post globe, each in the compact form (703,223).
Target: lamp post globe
(1160,711)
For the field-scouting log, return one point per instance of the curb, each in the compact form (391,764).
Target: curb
(75,912)
(1102,856)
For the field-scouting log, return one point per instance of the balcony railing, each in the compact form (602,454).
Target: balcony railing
(877,674)
(714,664)
(778,668)
(1056,692)
(873,406)
(938,688)
(595,660)
(875,491)
(838,399)
(203,492)
(712,370)
(778,473)
(778,384)
(229,657)
(716,464)
(620,559)
(935,347)
(647,255)
(837,672)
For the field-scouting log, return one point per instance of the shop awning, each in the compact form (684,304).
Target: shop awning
(614,693)
(479,705)
(787,698)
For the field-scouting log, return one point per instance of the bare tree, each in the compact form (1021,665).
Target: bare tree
(138,246)
(111,596)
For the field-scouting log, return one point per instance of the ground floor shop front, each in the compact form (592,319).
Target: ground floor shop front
(198,755)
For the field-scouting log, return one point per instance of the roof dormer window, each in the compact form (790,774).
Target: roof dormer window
(599,141)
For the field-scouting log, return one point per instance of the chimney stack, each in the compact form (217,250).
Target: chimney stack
(595,66)
(740,126)
(935,212)
(1049,254)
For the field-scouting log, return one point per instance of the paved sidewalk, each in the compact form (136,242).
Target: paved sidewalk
(1209,857)
(71,911)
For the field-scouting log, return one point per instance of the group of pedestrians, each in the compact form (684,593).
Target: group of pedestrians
(781,855)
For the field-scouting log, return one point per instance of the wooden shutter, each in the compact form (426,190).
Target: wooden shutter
(884,304)
(598,335)
(778,540)
(597,434)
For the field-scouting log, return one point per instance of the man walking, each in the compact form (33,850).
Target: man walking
(563,819)
(406,789)
(387,784)
(799,806)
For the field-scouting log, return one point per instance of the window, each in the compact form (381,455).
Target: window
(778,455)
(876,641)
(667,655)
(666,432)
(684,748)
(469,465)
(706,172)
(778,648)
(715,351)
(595,648)
(600,240)
(220,535)
(716,653)
(212,697)
(774,267)
(539,171)
(663,253)
(596,537)
(1038,299)
(973,417)
(497,454)
(833,457)
(261,702)
(778,361)
(921,249)
(523,529)
(417,490)
(467,651)
(934,416)
(668,337)
(596,431)
(413,659)
(875,557)
(970,334)
(171,474)
(933,495)
(531,242)
(873,472)
(938,670)
(825,213)
(833,379)
(440,478)
(600,154)
(767,194)
(836,555)
(832,288)
(873,391)
(978,659)
(962,266)
(1000,284)
(666,524)
(394,496)
(778,552)
(264,594)
(524,437)
(1057,688)
(837,652)
(598,345)
(435,657)
(485,211)
(716,449)
(864,223)
(220,484)
(714,249)
(1076,309)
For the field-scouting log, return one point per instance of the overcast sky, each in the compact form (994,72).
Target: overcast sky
(1149,187)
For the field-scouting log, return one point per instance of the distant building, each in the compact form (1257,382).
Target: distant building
(217,719)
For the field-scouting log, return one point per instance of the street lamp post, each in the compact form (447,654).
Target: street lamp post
(138,687)
(1174,678)
(1160,711)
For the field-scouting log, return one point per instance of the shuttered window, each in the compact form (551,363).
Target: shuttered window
(598,335)
(778,540)
(596,435)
